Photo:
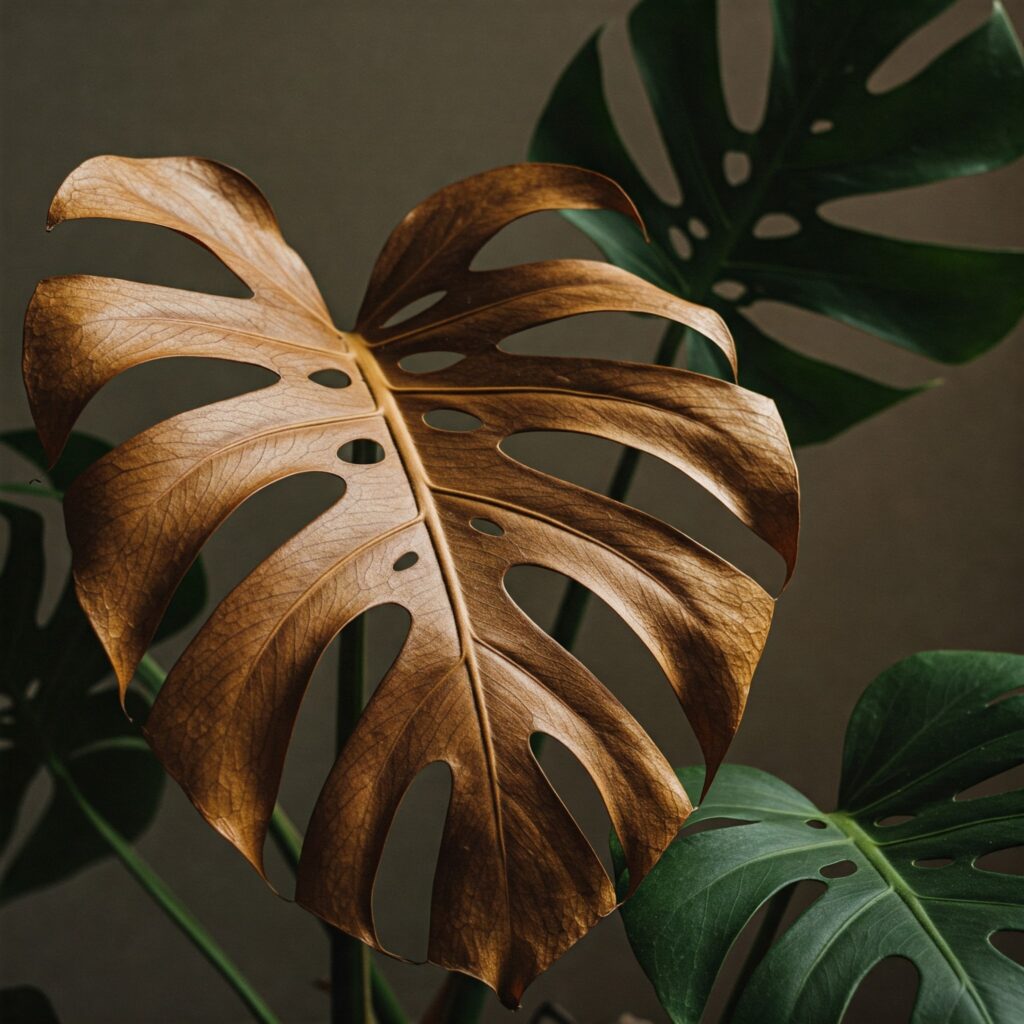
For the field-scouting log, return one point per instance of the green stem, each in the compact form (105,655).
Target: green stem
(763,940)
(165,898)
(351,1001)
(288,841)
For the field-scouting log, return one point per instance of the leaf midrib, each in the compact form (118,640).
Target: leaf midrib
(899,885)
(416,474)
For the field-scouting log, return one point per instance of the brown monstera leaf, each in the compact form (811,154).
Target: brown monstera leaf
(517,883)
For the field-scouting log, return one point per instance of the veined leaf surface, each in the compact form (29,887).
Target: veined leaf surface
(517,883)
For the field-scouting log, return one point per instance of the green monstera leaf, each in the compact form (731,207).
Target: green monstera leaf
(911,884)
(56,715)
(824,136)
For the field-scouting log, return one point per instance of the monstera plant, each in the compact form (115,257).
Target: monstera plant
(431,519)
(750,224)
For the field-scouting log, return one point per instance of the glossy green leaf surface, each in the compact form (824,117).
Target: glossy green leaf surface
(825,135)
(54,706)
(925,731)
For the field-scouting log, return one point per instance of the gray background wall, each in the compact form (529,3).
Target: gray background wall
(347,114)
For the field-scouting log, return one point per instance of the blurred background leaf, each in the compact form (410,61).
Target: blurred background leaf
(749,226)
(58,716)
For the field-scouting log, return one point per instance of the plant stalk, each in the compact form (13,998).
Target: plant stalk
(763,940)
(165,898)
(351,1001)
(288,841)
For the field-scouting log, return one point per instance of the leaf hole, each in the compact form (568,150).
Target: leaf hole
(1010,943)
(697,228)
(821,125)
(729,289)
(736,167)
(680,242)
(840,869)
(488,526)
(361,452)
(452,420)
(1017,691)
(1003,782)
(429,362)
(815,823)
(886,992)
(917,50)
(799,897)
(892,820)
(745,40)
(776,225)
(403,886)
(406,561)
(633,115)
(577,790)
(1008,861)
(933,862)
(331,378)
(411,309)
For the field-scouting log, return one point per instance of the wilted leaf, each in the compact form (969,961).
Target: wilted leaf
(824,136)
(517,882)
(924,732)
(55,712)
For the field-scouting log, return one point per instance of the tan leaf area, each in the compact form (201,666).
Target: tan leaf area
(517,882)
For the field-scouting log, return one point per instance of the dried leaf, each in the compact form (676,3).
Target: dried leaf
(517,882)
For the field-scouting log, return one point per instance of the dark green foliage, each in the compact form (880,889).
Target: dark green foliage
(961,115)
(57,714)
(23,1004)
(925,731)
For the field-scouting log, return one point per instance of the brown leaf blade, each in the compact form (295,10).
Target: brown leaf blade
(517,882)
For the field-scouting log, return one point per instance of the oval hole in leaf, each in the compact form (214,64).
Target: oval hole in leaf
(736,167)
(776,225)
(916,51)
(452,420)
(799,897)
(261,524)
(1017,691)
(821,125)
(578,791)
(406,561)
(745,50)
(633,115)
(658,489)
(1008,861)
(1010,943)
(150,392)
(680,242)
(1004,782)
(887,992)
(367,452)
(933,862)
(615,654)
(402,890)
(840,869)
(331,378)
(729,289)
(488,526)
(891,820)
(816,823)
(411,309)
(697,228)
(428,362)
